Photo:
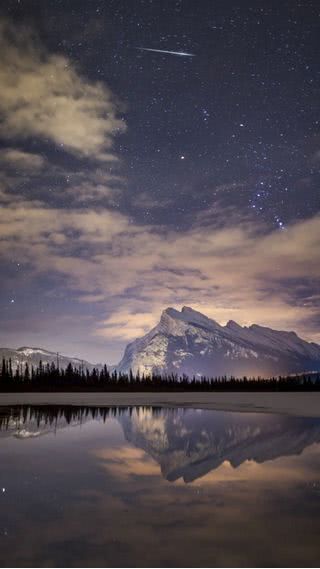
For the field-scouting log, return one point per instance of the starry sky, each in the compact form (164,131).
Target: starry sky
(132,180)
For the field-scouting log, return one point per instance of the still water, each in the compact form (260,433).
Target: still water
(157,487)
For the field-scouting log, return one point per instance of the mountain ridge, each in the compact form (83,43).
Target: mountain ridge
(33,356)
(189,342)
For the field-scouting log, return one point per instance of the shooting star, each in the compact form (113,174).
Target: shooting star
(181,53)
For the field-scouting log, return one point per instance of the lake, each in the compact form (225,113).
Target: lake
(145,486)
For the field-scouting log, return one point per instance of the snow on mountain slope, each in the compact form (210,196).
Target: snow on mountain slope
(189,342)
(33,356)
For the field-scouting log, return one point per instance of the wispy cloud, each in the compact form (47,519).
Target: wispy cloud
(228,272)
(45,95)
(20,160)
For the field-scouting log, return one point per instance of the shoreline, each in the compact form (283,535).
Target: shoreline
(285,403)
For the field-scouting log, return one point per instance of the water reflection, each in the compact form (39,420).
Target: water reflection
(190,444)
(107,486)
(186,444)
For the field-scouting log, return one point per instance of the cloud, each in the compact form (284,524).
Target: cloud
(234,271)
(126,325)
(222,263)
(19,160)
(95,186)
(144,200)
(44,95)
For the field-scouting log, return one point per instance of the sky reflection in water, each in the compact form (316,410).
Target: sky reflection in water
(158,487)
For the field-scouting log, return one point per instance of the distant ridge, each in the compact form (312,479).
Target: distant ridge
(33,356)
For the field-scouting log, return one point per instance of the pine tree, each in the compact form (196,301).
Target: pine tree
(26,372)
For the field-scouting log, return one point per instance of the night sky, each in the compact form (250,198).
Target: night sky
(133,180)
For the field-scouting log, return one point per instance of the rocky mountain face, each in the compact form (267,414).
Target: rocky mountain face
(189,342)
(33,356)
(188,444)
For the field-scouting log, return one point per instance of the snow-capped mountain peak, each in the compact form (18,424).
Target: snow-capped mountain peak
(232,325)
(191,316)
(189,342)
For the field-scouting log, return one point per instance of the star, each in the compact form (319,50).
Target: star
(112,117)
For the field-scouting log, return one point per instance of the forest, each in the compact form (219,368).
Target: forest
(52,414)
(50,377)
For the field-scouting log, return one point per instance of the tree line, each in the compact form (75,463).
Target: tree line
(52,415)
(50,377)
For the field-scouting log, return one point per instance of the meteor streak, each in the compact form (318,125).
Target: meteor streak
(181,53)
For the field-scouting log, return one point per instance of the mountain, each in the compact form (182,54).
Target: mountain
(33,356)
(189,342)
(190,443)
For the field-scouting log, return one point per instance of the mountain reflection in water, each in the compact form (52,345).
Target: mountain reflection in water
(157,487)
(190,444)
(186,443)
